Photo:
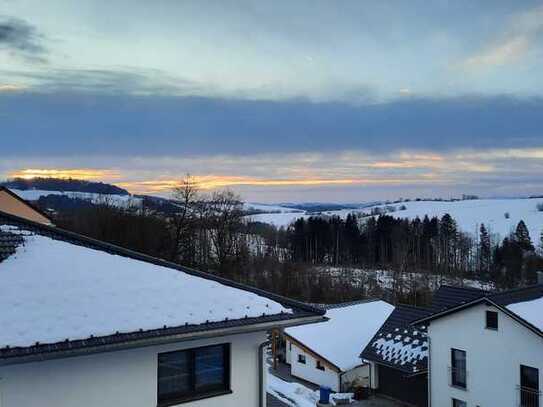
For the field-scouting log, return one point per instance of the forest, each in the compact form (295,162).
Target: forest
(318,259)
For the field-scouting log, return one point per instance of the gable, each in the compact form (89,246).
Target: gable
(12,204)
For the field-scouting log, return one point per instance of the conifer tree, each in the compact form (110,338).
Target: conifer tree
(522,237)
(485,251)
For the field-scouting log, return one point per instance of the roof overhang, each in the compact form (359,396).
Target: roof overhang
(102,345)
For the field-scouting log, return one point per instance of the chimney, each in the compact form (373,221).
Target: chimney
(540,277)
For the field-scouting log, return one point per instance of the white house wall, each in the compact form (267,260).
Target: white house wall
(123,379)
(493,358)
(359,376)
(309,371)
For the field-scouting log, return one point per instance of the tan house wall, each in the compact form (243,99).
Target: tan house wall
(13,206)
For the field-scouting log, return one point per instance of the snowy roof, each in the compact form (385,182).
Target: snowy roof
(399,344)
(57,287)
(530,311)
(349,328)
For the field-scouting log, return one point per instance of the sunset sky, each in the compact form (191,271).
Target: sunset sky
(336,101)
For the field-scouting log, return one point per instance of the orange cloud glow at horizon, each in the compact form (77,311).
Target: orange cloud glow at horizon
(85,174)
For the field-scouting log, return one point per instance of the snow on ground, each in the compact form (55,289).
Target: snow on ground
(349,329)
(123,201)
(531,311)
(469,214)
(270,208)
(384,279)
(278,219)
(297,395)
(51,290)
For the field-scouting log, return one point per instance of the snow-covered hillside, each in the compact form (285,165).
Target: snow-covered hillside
(500,216)
(122,201)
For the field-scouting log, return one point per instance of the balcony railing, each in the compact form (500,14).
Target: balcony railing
(458,377)
(528,397)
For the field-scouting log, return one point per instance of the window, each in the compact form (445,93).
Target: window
(491,320)
(301,359)
(459,403)
(320,366)
(458,368)
(193,374)
(529,386)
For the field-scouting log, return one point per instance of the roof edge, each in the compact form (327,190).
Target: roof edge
(25,202)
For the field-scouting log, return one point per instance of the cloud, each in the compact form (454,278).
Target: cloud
(22,39)
(520,36)
(280,176)
(149,125)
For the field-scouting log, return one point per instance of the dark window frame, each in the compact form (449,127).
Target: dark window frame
(529,394)
(320,366)
(455,380)
(494,319)
(302,359)
(458,402)
(202,392)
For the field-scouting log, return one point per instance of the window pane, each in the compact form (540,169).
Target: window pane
(529,377)
(458,362)
(173,374)
(459,403)
(492,320)
(210,368)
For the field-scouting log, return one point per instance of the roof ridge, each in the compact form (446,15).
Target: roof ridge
(514,290)
(463,288)
(96,244)
(349,303)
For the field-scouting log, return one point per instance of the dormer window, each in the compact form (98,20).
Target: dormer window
(320,366)
(301,359)
(492,320)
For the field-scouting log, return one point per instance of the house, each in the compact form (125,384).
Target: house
(86,323)
(488,351)
(15,205)
(327,354)
(398,353)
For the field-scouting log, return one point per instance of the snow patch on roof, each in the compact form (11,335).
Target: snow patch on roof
(51,290)
(349,329)
(530,311)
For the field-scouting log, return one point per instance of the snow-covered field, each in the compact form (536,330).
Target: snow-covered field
(123,201)
(469,214)
(270,208)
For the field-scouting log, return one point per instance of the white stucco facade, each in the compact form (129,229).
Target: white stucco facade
(493,358)
(126,378)
(309,371)
(337,381)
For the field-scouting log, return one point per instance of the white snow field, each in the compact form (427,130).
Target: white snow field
(469,214)
(348,330)
(122,201)
(97,293)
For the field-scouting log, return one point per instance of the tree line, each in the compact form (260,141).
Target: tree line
(209,231)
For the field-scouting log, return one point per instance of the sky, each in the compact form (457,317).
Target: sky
(283,101)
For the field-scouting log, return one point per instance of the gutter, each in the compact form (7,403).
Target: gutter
(429,371)
(154,341)
(261,390)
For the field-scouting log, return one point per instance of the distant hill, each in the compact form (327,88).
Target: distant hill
(64,185)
